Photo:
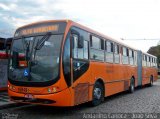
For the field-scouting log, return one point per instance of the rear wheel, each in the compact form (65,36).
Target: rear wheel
(151,81)
(98,94)
(132,86)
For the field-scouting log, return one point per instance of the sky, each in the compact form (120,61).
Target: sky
(120,19)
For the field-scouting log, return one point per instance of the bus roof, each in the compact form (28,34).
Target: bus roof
(149,54)
(101,35)
(72,23)
(46,21)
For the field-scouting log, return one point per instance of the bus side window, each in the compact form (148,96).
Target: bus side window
(131,57)
(96,48)
(144,60)
(152,62)
(135,58)
(109,51)
(125,55)
(79,47)
(86,56)
(147,61)
(116,53)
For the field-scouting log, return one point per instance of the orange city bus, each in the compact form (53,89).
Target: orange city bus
(62,63)
(4,50)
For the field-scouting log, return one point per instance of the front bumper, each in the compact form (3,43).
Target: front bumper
(62,98)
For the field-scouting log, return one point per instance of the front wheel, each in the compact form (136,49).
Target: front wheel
(132,86)
(98,94)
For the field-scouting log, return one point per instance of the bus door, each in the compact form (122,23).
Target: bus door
(79,67)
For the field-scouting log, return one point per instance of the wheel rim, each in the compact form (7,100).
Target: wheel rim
(97,93)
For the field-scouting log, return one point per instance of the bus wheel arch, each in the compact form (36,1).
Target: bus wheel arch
(151,81)
(98,92)
(103,84)
(132,85)
(134,80)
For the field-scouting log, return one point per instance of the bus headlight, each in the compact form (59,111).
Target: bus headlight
(11,87)
(49,90)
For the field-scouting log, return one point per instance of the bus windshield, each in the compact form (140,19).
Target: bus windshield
(35,59)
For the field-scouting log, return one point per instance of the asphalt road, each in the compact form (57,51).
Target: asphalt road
(145,100)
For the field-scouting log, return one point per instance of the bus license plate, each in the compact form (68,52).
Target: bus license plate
(29,96)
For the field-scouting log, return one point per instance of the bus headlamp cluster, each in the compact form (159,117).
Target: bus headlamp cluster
(49,90)
(11,87)
(53,89)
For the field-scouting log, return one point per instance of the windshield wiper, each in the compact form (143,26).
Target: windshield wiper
(39,45)
(41,42)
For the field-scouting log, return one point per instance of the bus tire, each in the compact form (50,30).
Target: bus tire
(132,85)
(97,94)
(151,81)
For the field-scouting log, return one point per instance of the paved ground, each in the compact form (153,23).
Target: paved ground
(145,100)
(4,99)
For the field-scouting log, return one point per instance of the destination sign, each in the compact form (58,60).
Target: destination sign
(41,28)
